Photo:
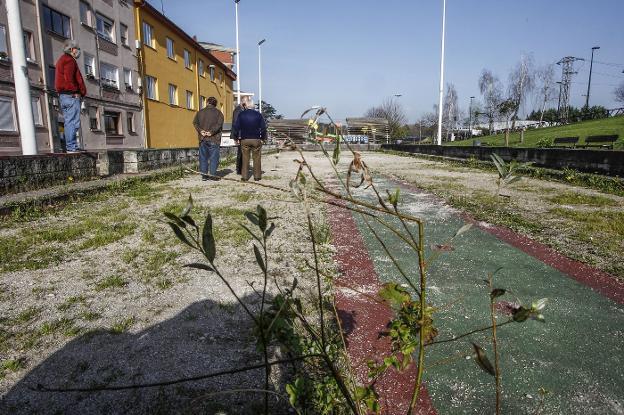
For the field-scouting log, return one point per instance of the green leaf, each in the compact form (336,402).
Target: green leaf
(252,217)
(336,155)
(521,314)
(482,360)
(497,292)
(270,230)
(181,236)
(189,206)
(259,259)
(292,394)
(198,265)
(262,218)
(394,294)
(189,220)
(173,218)
(539,304)
(208,241)
(463,229)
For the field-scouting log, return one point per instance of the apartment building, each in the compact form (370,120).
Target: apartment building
(179,76)
(104,29)
(10,142)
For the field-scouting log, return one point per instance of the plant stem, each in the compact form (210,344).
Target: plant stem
(263,335)
(468,334)
(495,346)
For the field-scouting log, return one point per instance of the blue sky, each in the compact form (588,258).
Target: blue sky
(349,55)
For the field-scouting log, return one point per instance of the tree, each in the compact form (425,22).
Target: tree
(506,109)
(545,77)
(619,93)
(269,112)
(491,89)
(521,82)
(451,110)
(393,112)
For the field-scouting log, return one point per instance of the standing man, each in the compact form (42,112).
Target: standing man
(71,89)
(251,130)
(239,153)
(209,122)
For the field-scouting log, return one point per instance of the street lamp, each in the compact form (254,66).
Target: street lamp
(260,74)
(470,116)
(238,69)
(590,74)
(441,75)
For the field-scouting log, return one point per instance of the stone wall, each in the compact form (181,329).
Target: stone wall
(589,161)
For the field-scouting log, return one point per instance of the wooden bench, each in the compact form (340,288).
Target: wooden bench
(569,142)
(599,141)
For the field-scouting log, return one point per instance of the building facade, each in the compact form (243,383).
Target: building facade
(10,142)
(178,77)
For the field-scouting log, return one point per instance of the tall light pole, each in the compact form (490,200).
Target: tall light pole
(470,116)
(238,69)
(260,74)
(590,74)
(441,100)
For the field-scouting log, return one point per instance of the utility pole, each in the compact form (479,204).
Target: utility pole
(20,77)
(260,74)
(590,74)
(238,69)
(440,102)
(567,70)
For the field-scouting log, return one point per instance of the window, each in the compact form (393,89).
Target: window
(221,77)
(187,59)
(7,114)
(89,66)
(51,77)
(3,42)
(127,78)
(29,45)
(148,35)
(56,22)
(94,118)
(105,27)
(111,123)
(86,15)
(173,94)
(123,34)
(200,68)
(212,72)
(189,100)
(109,75)
(36,109)
(202,102)
(130,122)
(150,87)
(170,49)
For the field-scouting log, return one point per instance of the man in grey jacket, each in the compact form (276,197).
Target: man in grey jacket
(209,122)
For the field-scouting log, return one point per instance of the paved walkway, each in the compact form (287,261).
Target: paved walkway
(576,355)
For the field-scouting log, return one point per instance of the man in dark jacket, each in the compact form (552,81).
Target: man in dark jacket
(251,130)
(209,122)
(239,153)
(71,89)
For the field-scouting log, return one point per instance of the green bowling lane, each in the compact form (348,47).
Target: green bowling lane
(576,355)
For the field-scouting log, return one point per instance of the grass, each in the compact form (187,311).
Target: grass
(10,365)
(90,316)
(71,301)
(607,126)
(153,262)
(122,326)
(113,281)
(573,198)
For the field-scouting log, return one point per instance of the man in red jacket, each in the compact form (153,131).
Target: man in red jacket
(71,88)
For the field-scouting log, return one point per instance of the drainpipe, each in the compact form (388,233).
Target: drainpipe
(20,77)
(44,73)
(141,70)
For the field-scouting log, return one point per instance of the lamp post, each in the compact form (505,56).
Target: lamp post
(260,74)
(440,102)
(238,69)
(590,74)
(470,117)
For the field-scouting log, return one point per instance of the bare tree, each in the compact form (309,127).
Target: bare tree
(491,89)
(521,82)
(619,93)
(393,112)
(545,80)
(451,110)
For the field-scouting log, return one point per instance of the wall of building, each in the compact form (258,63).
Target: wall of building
(10,139)
(170,125)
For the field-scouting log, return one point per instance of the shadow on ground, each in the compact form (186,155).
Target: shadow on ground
(205,337)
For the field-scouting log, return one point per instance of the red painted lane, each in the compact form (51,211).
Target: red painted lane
(599,281)
(363,316)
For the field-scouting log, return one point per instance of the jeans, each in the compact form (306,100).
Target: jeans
(209,154)
(71,116)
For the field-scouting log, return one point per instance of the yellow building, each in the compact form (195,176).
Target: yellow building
(178,77)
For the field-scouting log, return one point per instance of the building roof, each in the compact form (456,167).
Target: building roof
(165,20)
(217,47)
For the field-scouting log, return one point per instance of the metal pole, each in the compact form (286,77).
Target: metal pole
(590,74)
(20,76)
(441,100)
(470,117)
(260,74)
(238,69)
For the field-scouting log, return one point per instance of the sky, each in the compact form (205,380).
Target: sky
(350,55)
